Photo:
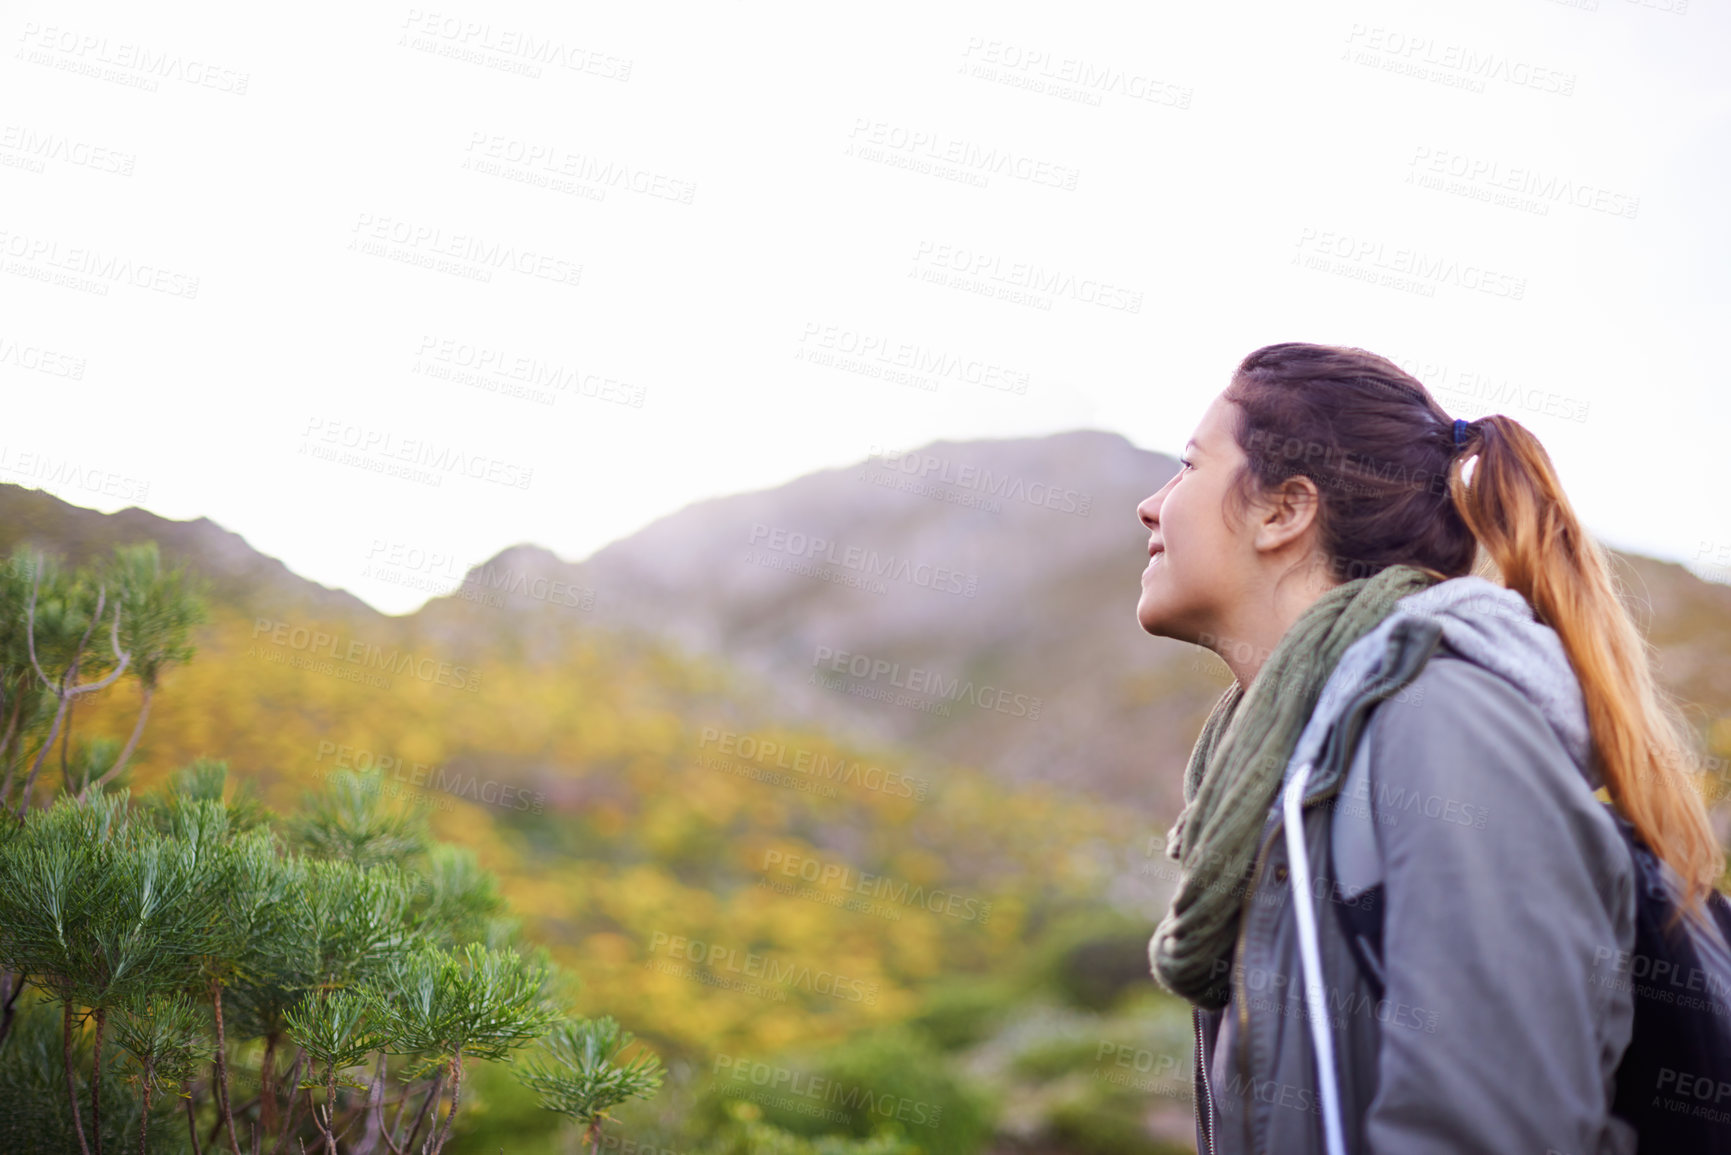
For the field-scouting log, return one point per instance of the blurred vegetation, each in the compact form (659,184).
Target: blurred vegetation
(758,902)
(820,964)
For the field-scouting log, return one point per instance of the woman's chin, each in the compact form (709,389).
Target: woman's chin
(1148,614)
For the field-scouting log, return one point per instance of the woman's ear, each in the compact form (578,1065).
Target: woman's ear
(1287,513)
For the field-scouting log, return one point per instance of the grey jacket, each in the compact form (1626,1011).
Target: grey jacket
(1468,811)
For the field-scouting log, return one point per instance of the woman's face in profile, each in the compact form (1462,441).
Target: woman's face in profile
(1200,555)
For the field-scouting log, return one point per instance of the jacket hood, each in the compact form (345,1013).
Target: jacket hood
(1490,626)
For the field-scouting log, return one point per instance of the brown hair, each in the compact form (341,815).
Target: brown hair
(1393,490)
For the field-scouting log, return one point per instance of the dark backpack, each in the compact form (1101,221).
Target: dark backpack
(1674,1080)
(1674,1083)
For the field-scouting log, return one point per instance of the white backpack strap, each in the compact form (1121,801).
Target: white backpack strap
(1310,956)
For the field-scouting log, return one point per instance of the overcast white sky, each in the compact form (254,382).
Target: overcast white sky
(233,240)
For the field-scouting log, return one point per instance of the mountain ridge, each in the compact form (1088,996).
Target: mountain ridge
(969,600)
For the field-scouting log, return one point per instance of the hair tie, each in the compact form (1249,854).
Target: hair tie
(1460,432)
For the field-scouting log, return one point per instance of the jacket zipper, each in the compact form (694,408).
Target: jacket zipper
(1239,994)
(1207,1092)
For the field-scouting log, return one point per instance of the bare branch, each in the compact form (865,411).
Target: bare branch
(125,657)
(126,753)
(30,621)
(64,692)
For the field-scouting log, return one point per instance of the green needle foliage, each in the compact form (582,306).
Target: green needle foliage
(195,955)
(581,1074)
(347,823)
(184,935)
(165,1035)
(477,1003)
(98,910)
(330,1026)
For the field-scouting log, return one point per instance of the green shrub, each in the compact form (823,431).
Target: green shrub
(960,1013)
(1092,959)
(747,1134)
(891,1080)
(1109,1123)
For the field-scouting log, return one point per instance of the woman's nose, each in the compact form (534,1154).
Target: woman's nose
(1148,513)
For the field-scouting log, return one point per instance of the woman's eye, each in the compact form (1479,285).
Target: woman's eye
(1185,462)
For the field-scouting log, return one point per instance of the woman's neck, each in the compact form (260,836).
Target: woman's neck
(1247,638)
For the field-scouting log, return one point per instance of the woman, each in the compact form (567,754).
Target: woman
(1321,532)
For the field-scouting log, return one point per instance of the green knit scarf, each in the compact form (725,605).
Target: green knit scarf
(1236,770)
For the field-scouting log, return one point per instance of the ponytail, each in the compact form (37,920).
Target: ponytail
(1516,509)
(1393,488)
